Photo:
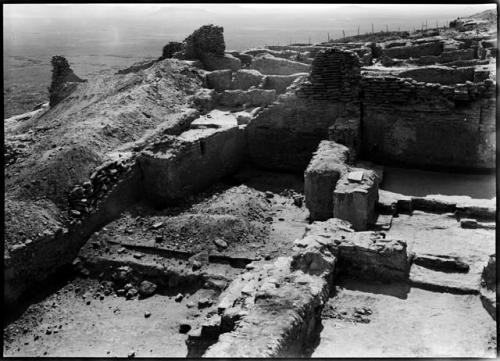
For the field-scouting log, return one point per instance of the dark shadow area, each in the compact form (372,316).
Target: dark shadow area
(395,289)
(273,181)
(38,292)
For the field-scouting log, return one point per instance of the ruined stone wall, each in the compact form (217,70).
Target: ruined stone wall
(335,75)
(414,51)
(440,74)
(428,125)
(285,134)
(198,158)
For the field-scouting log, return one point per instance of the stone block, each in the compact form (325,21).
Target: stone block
(269,64)
(261,97)
(219,79)
(370,255)
(355,201)
(244,79)
(328,164)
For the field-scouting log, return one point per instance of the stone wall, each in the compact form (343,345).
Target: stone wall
(268,64)
(414,51)
(176,167)
(440,74)
(284,135)
(335,75)
(405,121)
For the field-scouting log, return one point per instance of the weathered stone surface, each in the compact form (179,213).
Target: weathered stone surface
(244,79)
(268,64)
(219,79)
(147,289)
(355,202)
(328,164)
(214,62)
(204,100)
(442,263)
(200,156)
(285,134)
(281,82)
(313,256)
(444,281)
(206,39)
(346,131)
(331,228)
(170,49)
(252,97)
(439,74)
(392,203)
(64,80)
(370,255)
(414,50)
(489,286)
(404,122)
(276,314)
(261,97)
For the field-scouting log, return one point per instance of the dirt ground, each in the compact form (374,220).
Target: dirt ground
(398,322)
(65,325)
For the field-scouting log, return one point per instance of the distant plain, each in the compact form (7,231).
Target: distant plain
(100,39)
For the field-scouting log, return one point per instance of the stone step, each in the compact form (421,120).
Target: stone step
(457,283)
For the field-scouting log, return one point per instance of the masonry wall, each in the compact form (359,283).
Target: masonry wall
(284,135)
(200,157)
(429,125)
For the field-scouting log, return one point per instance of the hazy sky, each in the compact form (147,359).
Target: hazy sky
(135,10)
(121,28)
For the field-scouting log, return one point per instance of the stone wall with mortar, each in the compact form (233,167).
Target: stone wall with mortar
(405,122)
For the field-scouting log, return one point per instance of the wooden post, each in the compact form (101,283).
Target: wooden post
(372,28)
(328,37)
(358,30)
(343,34)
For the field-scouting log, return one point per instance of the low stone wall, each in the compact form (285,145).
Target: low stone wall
(268,64)
(251,97)
(439,74)
(280,82)
(414,51)
(34,262)
(405,122)
(448,56)
(175,167)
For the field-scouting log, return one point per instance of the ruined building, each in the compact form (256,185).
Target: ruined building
(247,186)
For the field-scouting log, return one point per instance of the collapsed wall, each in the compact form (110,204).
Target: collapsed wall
(285,134)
